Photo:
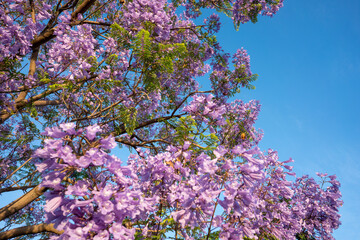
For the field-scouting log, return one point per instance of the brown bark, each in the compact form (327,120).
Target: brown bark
(44,37)
(82,8)
(32,68)
(46,102)
(9,176)
(21,202)
(4,115)
(32,5)
(48,34)
(16,232)
(10,189)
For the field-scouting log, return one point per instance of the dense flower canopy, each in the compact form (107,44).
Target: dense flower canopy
(80,80)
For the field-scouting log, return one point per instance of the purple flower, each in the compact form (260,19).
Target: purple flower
(80,188)
(91,131)
(53,204)
(83,161)
(103,235)
(69,128)
(121,233)
(54,132)
(108,143)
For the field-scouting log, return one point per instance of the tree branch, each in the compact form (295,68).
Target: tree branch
(48,34)
(46,102)
(82,8)
(189,95)
(21,202)
(34,100)
(152,121)
(95,23)
(8,177)
(10,189)
(32,68)
(29,230)
(32,5)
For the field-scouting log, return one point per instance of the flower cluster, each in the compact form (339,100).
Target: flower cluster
(146,14)
(213,23)
(72,50)
(240,130)
(95,196)
(245,11)
(226,82)
(318,205)
(92,192)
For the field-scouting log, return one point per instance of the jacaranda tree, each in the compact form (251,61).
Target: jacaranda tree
(80,78)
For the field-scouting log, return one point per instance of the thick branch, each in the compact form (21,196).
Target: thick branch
(10,189)
(34,100)
(29,230)
(43,38)
(33,59)
(46,102)
(32,5)
(4,115)
(82,8)
(95,23)
(48,34)
(21,202)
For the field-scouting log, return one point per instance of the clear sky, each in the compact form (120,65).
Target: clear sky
(308,61)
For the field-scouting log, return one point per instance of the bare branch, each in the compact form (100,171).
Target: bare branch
(29,230)
(10,189)
(15,171)
(82,8)
(21,202)
(95,23)
(5,114)
(32,5)
(46,102)
(132,144)
(189,95)
(48,34)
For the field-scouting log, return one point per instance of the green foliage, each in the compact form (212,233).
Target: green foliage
(211,141)
(11,66)
(186,128)
(245,81)
(93,62)
(43,76)
(156,58)
(214,235)
(120,35)
(225,7)
(304,235)
(33,112)
(111,59)
(20,140)
(128,119)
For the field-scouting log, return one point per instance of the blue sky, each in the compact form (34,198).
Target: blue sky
(308,61)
